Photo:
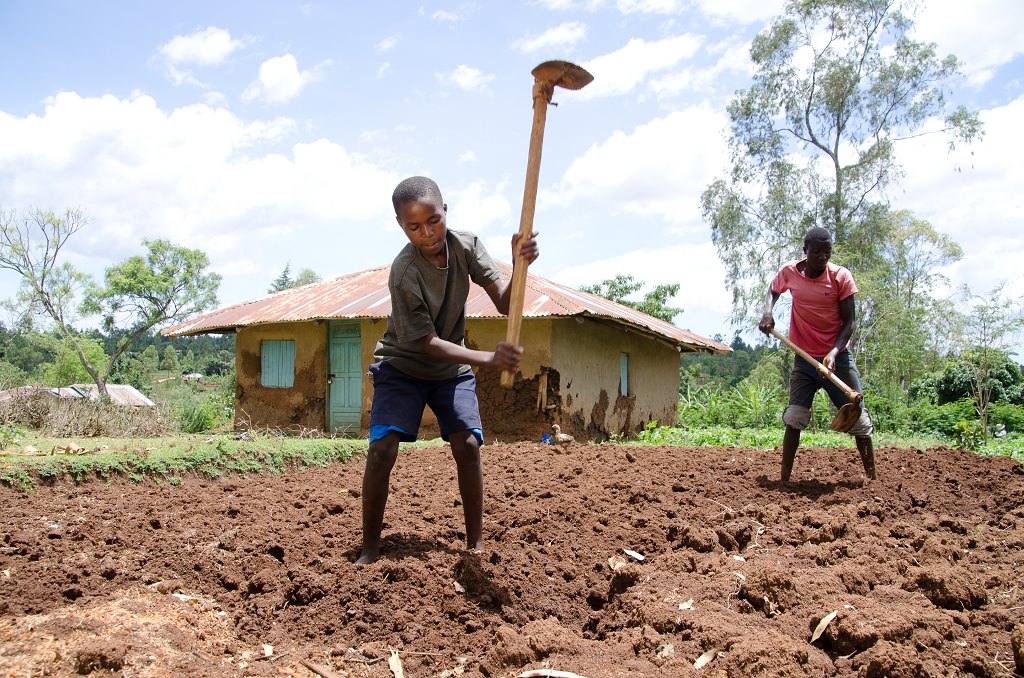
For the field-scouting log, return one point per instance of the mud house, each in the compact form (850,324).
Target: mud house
(591,365)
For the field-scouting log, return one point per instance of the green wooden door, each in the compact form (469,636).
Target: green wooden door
(345,394)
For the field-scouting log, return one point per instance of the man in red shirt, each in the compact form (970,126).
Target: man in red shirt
(822,323)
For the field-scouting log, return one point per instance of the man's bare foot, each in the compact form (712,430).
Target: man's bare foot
(369,555)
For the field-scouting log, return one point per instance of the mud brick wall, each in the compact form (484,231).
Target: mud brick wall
(301,407)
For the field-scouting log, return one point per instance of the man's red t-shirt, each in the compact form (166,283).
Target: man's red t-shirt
(815,321)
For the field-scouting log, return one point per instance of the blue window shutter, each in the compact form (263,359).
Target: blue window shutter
(624,374)
(277,363)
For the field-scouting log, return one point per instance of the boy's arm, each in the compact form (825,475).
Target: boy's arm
(767,318)
(504,357)
(499,291)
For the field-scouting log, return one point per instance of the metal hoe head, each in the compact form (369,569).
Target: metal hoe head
(562,74)
(846,418)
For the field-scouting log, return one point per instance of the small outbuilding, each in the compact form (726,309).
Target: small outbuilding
(591,365)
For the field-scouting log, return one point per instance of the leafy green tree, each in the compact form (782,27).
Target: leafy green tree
(134,371)
(67,369)
(151,358)
(283,281)
(837,85)
(11,376)
(168,284)
(305,277)
(654,302)
(990,324)
(188,363)
(899,319)
(170,361)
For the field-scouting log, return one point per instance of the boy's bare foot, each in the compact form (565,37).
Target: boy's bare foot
(368,556)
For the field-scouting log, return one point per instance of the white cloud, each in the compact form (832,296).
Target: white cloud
(197,175)
(207,47)
(562,5)
(734,59)
(448,17)
(478,207)
(973,195)
(742,11)
(467,156)
(650,6)
(388,43)
(280,80)
(659,170)
(984,34)
(564,35)
(623,70)
(466,77)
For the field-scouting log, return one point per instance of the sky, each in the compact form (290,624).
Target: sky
(271,134)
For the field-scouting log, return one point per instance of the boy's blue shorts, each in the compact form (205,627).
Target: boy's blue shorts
(398,402)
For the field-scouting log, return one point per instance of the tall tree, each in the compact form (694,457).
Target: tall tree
(283,281)
(898,316)
(837,85)
(654,302)
(990,324)
(305,277)
(168,284)
(170,361)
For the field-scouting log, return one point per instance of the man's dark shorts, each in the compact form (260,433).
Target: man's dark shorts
(398,402)
(804,382)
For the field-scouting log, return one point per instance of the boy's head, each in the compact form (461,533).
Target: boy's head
(816,234)
(817,249)
(421,212)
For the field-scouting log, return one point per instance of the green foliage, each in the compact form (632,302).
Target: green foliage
(67,368)
(197,416)
(10,434)
(285,281)
(654,302)
(134,372)
(969,434)
(1011,417)
(188,363)
(755,405)
(306,276)
(170,361)
(151,358)
(11,376)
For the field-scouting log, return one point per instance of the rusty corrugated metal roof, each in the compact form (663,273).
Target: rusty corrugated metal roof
(365,295)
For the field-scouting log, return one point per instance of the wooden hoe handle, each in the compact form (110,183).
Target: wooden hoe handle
(822,370)
(541,98)
(546,77)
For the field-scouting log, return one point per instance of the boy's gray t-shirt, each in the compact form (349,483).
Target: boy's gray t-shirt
(425,299)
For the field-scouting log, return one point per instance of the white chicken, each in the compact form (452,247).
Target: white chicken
(561,438)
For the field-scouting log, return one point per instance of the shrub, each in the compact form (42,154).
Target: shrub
(1010,416)
(941,420)
(197,416)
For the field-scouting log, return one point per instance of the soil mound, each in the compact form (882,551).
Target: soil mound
(600,560)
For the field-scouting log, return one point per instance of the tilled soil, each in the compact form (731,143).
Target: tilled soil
(600,561)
